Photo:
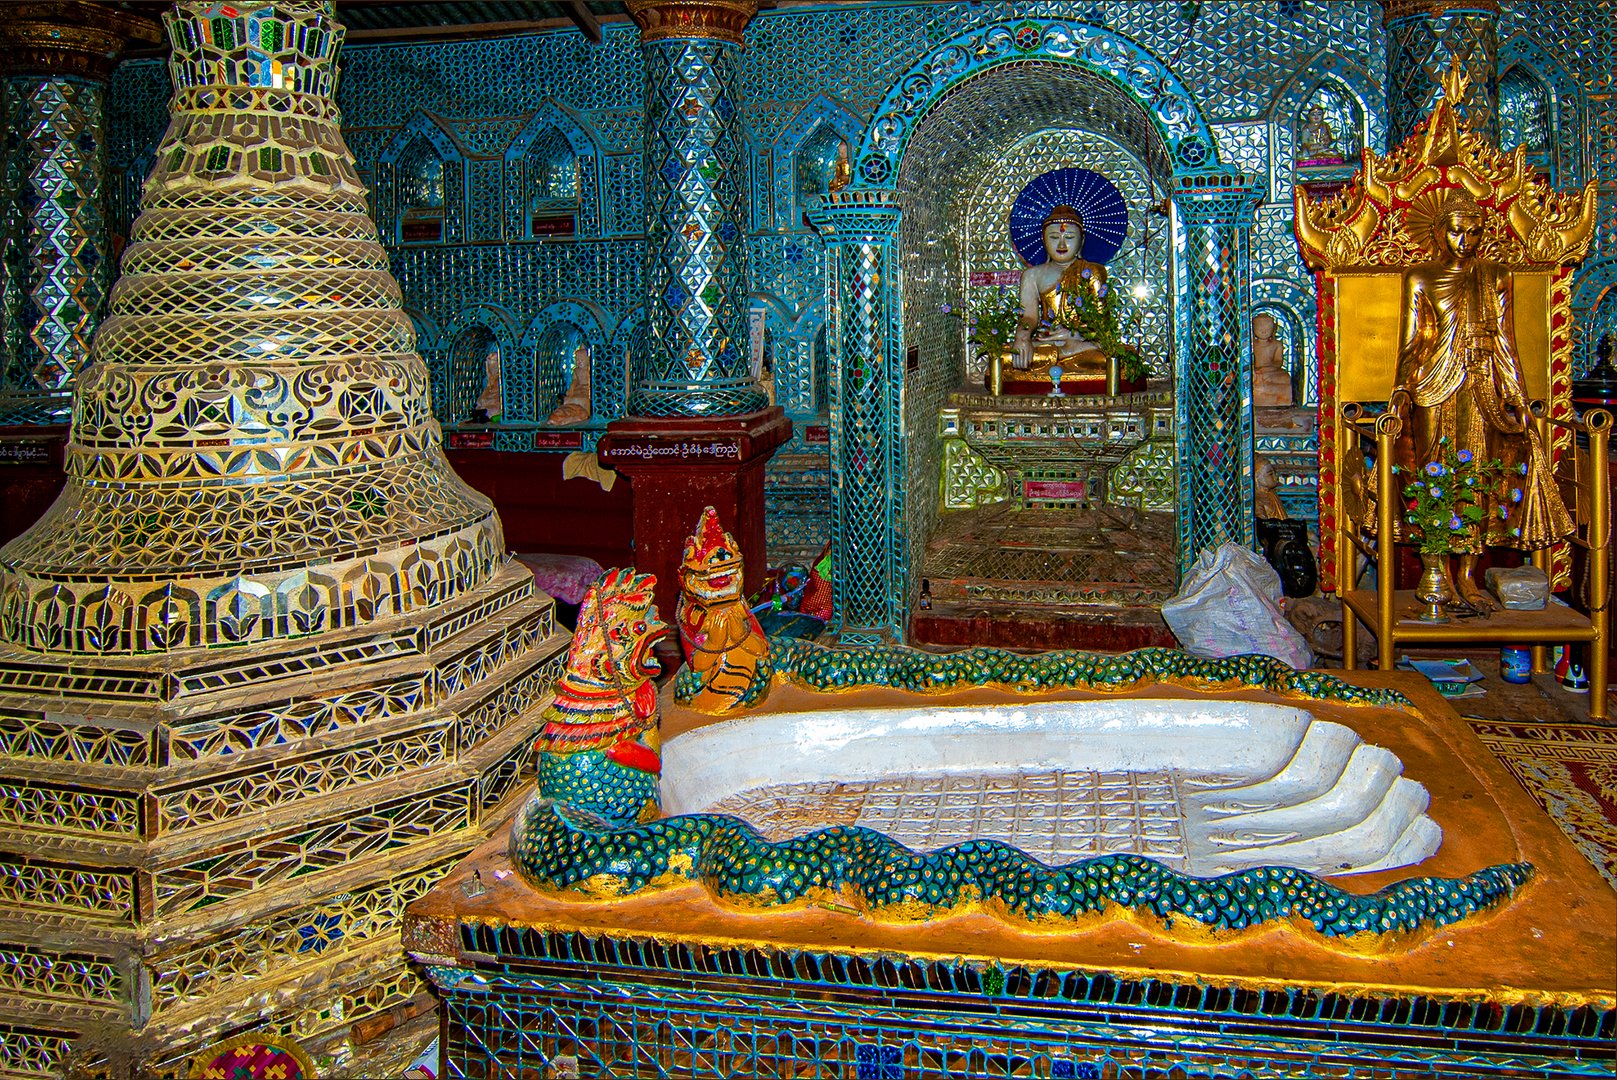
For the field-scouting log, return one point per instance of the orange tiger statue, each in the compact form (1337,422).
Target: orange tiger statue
(727,665)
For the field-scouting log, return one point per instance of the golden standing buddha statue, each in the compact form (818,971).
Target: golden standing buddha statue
(1459,378)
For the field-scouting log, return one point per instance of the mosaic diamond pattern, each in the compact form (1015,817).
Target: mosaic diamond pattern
(696,208)
(1214,421)
(1420,49)
(313,673)
(57,260)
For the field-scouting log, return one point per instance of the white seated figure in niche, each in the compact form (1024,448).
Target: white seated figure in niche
(1271,382)
(1316,142)
(1041,294)
(575,407)
(491,402)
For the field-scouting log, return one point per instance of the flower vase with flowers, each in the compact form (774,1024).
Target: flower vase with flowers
(1443,508)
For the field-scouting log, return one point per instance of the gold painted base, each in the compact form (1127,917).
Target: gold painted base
(1555,944)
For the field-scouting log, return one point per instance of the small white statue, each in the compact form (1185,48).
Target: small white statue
(491,402)
(575,407)
(1271,382)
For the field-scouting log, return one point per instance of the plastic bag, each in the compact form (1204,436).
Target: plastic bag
(1524,588)
(1229,605)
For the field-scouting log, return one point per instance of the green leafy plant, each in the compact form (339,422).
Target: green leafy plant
(993,322)
(1443,498)
(1089,310)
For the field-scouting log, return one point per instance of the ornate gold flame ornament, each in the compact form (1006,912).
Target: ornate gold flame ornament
(265,667)
(1363,241)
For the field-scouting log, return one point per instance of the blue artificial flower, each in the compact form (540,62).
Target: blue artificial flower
(1515,495)
(1086,272)
(1455,524)
(1470,481)
(1435,468)
(1522,468)
(1463,456)
(1437,493)
(1503,513)
(944,308)
(1100,290)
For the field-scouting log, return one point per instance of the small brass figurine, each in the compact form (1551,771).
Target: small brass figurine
(1459,378)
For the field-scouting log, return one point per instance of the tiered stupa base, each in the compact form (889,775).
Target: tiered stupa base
(237,832)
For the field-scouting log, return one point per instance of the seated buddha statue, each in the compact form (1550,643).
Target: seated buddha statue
(1042,341)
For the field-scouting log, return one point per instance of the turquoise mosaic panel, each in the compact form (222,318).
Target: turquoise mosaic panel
(533,1003)
(870,570)
(1213,405)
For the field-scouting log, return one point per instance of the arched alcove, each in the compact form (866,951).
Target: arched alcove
(550,185)
(812,155)
(469,354)
(820,163)
(966,160)
(895,261)
(560,337)
(1537,92)
(1526,112)
(419,179)
(1328,127)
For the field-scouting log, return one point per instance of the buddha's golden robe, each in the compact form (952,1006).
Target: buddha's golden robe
(1051,339)
(1465,382)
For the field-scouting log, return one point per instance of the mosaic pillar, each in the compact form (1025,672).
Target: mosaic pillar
(266,669)
(1423,38)
(696,361)
(871,585)
(1214,380)
(55,265)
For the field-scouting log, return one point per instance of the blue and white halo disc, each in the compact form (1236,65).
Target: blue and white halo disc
(1097,200)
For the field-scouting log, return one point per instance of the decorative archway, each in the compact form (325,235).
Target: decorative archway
(388,211)
(586,154)
(875,539)
(546,352)
(1570,157)
(462,345)
(820,114)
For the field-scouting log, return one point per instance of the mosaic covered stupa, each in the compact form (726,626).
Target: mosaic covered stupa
(266,667)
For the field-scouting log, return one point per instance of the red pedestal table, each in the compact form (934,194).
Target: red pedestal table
(678,465)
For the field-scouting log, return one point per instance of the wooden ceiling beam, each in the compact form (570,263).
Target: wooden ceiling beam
(584,19)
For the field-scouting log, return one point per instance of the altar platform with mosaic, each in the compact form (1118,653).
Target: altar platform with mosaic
(1170,864)
(326,325)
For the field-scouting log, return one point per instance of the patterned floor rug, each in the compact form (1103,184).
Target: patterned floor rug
(1571,769)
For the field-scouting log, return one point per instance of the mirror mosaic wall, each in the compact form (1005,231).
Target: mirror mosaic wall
(508,173)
